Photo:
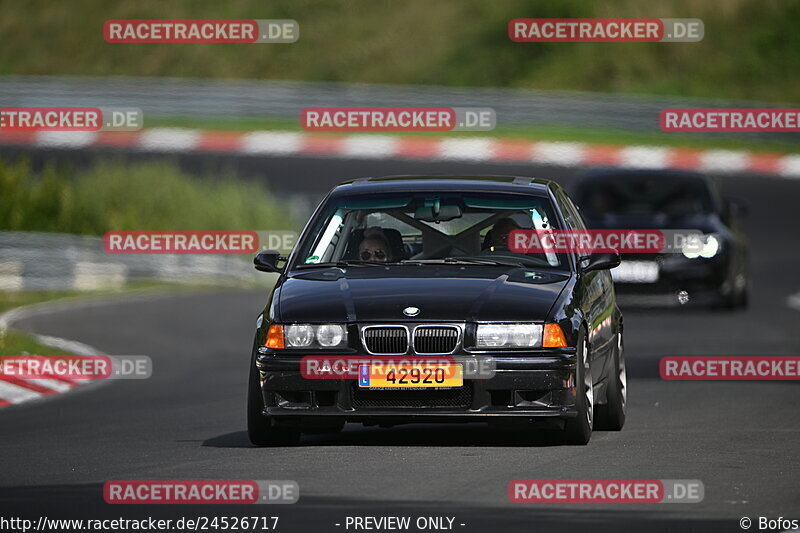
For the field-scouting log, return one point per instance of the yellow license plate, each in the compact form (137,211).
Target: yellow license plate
(410,376)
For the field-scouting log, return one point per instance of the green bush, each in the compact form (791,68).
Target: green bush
(144,196)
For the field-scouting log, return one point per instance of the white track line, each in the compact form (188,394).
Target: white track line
(272,142)
(723,161)
(52,384)
(479,149)
(370,146)
(169,140)
(16,394)
(65,139)
(644,157)
(11,392)
(73,347)
(790,166)
(559,153)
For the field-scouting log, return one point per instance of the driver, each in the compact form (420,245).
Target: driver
(374,247)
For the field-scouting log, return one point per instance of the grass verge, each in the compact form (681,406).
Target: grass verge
(153,195)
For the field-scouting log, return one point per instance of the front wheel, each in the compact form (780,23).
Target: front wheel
(262,430)
(578,430)
(611,416)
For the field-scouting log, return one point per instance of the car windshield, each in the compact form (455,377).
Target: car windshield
(427,228)
(643,195)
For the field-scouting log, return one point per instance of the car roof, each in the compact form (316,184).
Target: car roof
(612,172)
(508,184)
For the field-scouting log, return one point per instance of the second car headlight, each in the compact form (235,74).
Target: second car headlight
(706,246)
(508,335)
(330,335)
(323,335)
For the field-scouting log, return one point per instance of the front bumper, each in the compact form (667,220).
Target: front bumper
(524,389)
(706,282)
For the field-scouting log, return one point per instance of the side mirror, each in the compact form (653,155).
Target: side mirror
(267,261)
(602,261)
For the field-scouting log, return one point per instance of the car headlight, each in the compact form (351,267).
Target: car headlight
(330,335)
(508,336)
(702,246)
(309,335)
(711,246)
(298,335)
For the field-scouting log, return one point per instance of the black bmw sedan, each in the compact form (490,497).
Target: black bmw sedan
(398,285)
(713,274)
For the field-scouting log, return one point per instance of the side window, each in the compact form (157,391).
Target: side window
(571,216)
(577,214)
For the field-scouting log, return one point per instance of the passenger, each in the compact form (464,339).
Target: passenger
(499,234)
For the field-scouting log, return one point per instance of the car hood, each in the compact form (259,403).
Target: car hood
(446,293)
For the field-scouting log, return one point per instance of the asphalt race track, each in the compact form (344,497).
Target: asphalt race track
(188,421)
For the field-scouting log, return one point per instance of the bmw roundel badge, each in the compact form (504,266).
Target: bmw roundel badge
(411,311)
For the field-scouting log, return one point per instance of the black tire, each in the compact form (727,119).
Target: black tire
(611,416)
(262,429)
(737,299)
(729,302)
(743,297)
(578,430)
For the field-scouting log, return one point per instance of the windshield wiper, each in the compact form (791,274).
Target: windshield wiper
(463,261)
(340,264)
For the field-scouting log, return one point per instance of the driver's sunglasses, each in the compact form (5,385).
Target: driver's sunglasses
(379,254)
